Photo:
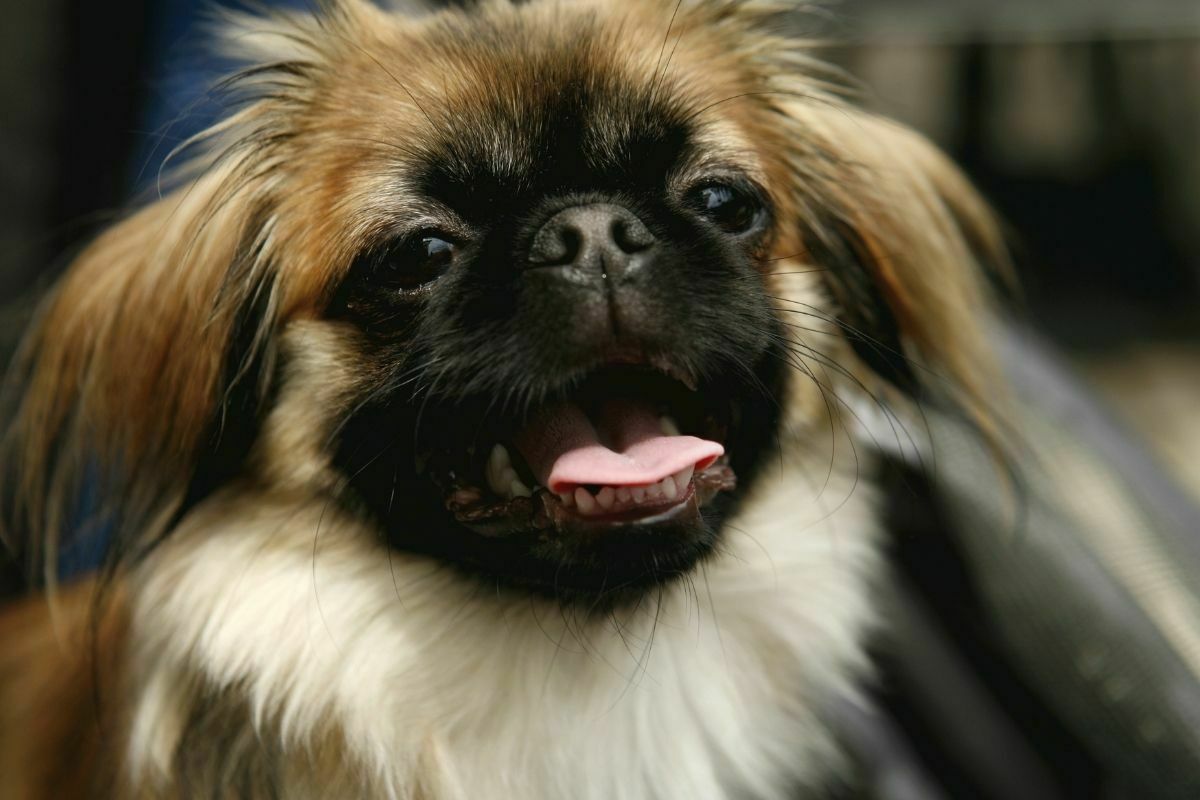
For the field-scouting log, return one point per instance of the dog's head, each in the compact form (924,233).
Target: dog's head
(538,288)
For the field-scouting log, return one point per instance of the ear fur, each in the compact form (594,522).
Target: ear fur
(908,244)
(163,323)
(123,372)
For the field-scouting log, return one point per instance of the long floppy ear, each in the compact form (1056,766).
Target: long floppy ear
(907,244)
(122,375)
(156,345)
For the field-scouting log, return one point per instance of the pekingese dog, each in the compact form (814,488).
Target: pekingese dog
(483,417)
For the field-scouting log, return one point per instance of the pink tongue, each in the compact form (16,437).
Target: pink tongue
(623,446)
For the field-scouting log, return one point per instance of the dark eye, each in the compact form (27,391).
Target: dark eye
(436,253)
(420,260)
(736,211)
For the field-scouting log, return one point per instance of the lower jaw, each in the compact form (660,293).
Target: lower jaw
(598,571)
(532,548)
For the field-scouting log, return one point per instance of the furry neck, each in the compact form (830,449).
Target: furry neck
(280,647)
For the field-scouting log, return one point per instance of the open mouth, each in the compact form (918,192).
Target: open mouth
(631,445)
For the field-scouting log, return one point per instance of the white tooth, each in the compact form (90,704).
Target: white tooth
(639,494)
(499,458)
(669,426)
(497,471)
(684,477)
(585,501)
(623,495)
(495,481)
(668,488)
(654,491)
(567,499)
(606,497)
(518,489)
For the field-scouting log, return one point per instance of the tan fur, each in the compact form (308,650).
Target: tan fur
(60,731)
(923,228)
(128,366)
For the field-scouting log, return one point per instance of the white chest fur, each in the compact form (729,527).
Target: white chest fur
(438,686)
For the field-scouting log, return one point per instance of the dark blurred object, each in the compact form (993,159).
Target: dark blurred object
(30,96)
(1045,641)
(71,81)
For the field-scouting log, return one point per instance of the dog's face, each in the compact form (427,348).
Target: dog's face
(574,356)
(550,243)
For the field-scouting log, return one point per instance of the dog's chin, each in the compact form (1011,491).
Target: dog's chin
(540,501)
(599,564)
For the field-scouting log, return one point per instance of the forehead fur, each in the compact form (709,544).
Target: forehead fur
(493,77)
(482,105)
(538,87)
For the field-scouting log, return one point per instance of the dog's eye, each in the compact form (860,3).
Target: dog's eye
(436,253)
(734,210)
(420,260)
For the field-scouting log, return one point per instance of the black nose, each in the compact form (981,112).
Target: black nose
(600,239)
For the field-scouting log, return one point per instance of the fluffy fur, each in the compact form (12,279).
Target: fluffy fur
(278,644)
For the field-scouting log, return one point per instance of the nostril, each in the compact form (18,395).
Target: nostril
(631,235)
(571,242)
(555,245)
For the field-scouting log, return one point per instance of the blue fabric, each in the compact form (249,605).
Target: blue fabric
(84,550)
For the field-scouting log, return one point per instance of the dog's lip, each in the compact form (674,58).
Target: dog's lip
(657,362)
(545,511)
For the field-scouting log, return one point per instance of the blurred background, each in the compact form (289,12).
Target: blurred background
(1079,120)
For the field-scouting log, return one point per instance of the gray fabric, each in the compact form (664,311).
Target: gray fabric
(1092,578)
(887,767)
(964,718)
